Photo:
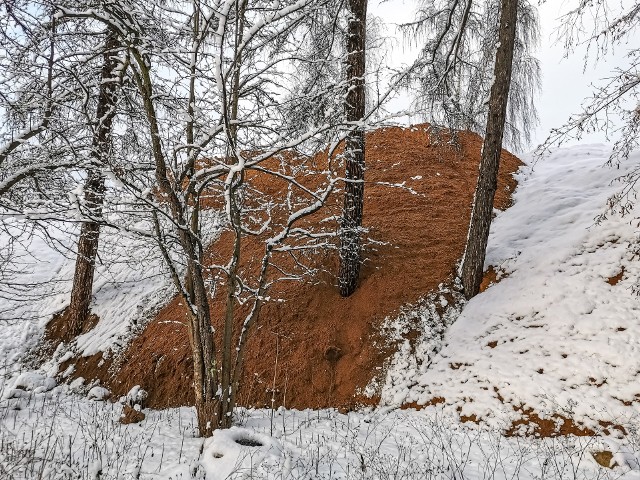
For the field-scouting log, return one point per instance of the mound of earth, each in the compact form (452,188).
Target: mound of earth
(317,349)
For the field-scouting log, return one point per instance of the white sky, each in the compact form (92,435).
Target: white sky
(565,81)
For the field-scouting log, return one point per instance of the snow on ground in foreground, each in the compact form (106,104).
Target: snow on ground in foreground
(552,335)
(57,435)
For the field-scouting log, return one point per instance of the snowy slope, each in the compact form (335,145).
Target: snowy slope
(124,292)
(131,283)
(29,284)
(553,335)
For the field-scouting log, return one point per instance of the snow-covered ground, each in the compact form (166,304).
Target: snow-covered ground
(56,435)
(131,283)
(553,335)
(125,293)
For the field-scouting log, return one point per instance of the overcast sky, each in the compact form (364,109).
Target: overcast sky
(565,81)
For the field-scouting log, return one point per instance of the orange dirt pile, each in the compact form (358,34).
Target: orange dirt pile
(317,349)
(57,331)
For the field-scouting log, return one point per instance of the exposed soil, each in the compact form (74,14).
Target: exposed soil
(131,415)
(317,349)
(604,459)
(530,423)
(57,329)
(491,277)
(616,278)
(57,332)
(554,426)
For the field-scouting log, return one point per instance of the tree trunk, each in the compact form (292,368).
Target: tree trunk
(350,244)
(205,372)
(94,189)
(227,399)
(201,337)
(476,249)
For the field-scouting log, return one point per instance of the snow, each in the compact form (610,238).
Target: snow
(135,396)
(98,393)
(125,294)
(237,450)
(131,284)
(552,335)
(30,381)
(410,361)
(79,437)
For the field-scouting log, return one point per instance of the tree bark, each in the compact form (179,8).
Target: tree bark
(475,252)
(227,385)
(205,374)
(350,244)
(201,339)
(94,189)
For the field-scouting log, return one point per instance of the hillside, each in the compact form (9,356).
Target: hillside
(550,347)
(323,350)
(556,342)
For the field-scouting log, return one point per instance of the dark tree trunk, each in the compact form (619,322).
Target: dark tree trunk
(94,189)
(211,409)
(353,151)
(476,249)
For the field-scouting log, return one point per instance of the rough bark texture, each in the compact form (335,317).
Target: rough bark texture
(354,151)
(232,280)
(94,189)
(201,340)
(205,379)
(475,252)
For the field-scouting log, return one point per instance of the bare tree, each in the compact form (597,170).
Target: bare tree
(201,139)
(461,72)
(94,189)
(613,106)
(40,111)
(66,94)
(213,144)
(454,71)
(354,150)
(317,93)
(28,95)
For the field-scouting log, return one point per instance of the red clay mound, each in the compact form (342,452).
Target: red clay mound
(321,348)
